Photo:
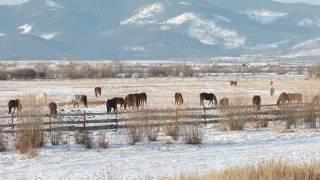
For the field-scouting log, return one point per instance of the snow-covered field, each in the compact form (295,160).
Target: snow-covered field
(157,159)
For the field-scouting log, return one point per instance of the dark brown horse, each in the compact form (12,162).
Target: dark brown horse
(97,91)
(111,104)
(233,83)
(143,99)
(137,100)
(295,97)
(14,104)
(224,102)
(256,101)
(316,100)
(130,100)
(53,109)
(283,98)
(178,99)
(209,97)
(121,102)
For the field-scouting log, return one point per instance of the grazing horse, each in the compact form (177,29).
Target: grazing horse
(53,109)
(41,99)
(272,90)
(143,98)
(15,104)
(80,99)
(97,91)
(256,101)
(111,104)
(130,100)
(137,100)
(295,97)
(224,102)
(209,97)
(178,99)
(283,98)
(121,102)
(316,100)
(233,83)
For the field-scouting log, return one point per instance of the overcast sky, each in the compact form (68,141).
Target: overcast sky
(16,2)
(306,1)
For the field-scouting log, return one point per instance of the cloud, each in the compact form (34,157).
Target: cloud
(265,16)
(12,2)
(25,29)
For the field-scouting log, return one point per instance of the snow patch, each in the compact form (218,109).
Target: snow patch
(135,49)
(12,2)
(51,3)
(25,29)
(145,15)
(265,16)
(207,32)
(48,36)
(310,23)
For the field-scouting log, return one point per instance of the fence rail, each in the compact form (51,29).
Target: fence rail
(91,121)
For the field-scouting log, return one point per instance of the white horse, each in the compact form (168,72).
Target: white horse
(41,99)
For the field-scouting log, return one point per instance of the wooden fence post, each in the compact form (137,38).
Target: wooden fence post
(84,119)
(12,125)
(50,123)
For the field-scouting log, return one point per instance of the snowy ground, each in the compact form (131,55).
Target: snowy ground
(219,149)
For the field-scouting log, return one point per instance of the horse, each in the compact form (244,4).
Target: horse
(53,109)
(256,101)
(121,102)
(97,91)
(272,90)
(283,98)
(111,104)
(209,97)
(130,100)
(178,98)
(295,97)
(41,99)
(316,100)
(15,104)
(143,98)
(79,99)
(271,82)
(137,100)
(224,102)
(233,83)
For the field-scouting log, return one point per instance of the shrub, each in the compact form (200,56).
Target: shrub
(192,134)
(55,138)
(102,142)
(3,143)
(23,74)
(135,132)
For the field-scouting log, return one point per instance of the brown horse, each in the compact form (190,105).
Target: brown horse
(97,91)
(209,97)
(295,97)
(143,98)
(111,104)
(283,98)
(53,109)
(256,101)
(130,100)
(224,102)
(121,102)
(272,90)
(15,104)
(316,100)
(178,99)
(233,83)
(137,100)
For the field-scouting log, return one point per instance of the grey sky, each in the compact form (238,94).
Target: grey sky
(317,2)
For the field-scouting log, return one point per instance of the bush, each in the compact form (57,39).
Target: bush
(84,139)
(23,74)
(102,142)
(135,132)
(55,138)
(3,143)
(192,134)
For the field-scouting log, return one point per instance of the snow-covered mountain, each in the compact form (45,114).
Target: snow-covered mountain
(158,29)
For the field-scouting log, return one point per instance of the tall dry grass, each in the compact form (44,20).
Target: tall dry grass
(272,170)
(3,142)
(30,136)
(192,134)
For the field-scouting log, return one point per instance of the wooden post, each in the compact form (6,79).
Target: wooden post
(50,123)
(205,115)
(117,120)
(84,120)
(12,125)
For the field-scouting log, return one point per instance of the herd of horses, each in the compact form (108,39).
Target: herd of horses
(138,100)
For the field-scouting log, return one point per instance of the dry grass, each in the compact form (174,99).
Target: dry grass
(135,132)
(30,135)
(84,139)
(102,142)
(192,134)
(3,143)
(55,138)
(266,171)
